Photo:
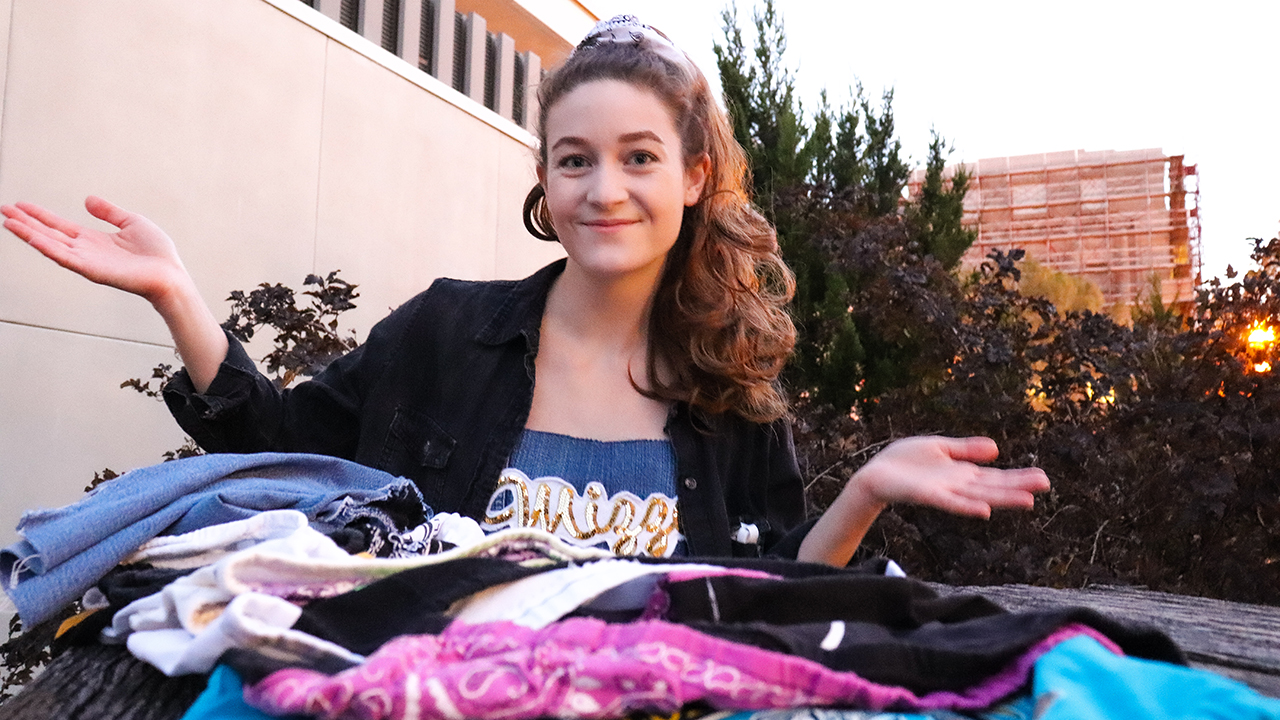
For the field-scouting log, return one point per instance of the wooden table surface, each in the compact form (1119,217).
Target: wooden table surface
(1233,639)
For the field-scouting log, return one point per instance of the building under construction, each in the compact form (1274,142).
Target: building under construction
(1123,220)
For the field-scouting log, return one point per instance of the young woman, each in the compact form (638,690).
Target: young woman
(642,369)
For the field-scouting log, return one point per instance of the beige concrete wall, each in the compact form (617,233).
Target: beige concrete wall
(270,143)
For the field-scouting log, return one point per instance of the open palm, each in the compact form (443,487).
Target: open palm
(945,473)
(140,258)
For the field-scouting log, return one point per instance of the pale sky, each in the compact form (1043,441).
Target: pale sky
(1003,77)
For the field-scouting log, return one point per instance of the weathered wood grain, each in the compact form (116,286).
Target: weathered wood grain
(102,682)
(1233,639)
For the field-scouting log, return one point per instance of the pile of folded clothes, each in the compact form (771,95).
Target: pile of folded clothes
(312,587)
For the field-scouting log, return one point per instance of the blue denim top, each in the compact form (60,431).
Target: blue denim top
(639,466)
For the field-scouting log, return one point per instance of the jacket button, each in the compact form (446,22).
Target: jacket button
(690,483)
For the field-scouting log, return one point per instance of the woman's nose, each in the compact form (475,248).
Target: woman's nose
(608,186)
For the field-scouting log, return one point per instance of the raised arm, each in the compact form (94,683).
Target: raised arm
(938,471)
(139,259)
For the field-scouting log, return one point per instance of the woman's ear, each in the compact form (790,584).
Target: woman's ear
(542,175)
(695,177)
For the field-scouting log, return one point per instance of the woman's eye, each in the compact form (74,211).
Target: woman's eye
(573,162)
(643,158)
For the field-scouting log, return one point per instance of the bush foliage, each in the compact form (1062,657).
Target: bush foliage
(1160,436)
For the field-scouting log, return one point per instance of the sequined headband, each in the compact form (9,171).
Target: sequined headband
(629,29)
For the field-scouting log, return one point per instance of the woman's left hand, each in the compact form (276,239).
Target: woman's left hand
(943,472)
(940,472)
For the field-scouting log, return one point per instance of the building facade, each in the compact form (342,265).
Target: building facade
(1128,221)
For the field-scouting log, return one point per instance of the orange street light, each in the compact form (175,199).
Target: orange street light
(1260,337)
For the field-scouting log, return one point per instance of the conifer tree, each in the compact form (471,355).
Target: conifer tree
(937,214)
(832,185)
(848,168)
(820,147)
(760,95)
(886,171)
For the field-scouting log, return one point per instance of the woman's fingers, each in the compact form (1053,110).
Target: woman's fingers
(960,504)
(53,245)
(971,449)
(998,496)
(1005,488)
(139,258)
(20,223)
(104,210)
(15,223)
(34,232)
(1032,479)
(50,220)
(977,500)
(945,473)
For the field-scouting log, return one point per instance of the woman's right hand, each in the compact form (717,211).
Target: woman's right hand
(139,259)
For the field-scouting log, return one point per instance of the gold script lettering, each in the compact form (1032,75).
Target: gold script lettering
(648,526)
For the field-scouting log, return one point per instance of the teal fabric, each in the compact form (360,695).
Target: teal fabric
(223,699)
(1021,707)
(1081,680)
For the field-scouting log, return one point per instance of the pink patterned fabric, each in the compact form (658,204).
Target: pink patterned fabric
(585,668)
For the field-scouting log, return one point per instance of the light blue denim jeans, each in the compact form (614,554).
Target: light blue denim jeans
(65,551)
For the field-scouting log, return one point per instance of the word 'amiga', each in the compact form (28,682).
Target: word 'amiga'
(630,526)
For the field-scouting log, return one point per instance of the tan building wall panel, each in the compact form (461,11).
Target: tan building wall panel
(411,189)
(395,165)
(150,104)
(66,416)
(6,11)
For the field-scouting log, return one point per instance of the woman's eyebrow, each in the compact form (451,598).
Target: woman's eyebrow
(626,138)
(569,140)
(641,135)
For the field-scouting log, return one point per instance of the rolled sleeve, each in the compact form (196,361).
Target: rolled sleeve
(216,418)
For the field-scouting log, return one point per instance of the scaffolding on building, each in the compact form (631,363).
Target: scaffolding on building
(1128,221)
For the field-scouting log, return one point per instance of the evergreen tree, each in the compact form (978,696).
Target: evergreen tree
(886,171)
(820,147)
(936,215)
(848,167)
(737,80)
(833,189)
(760,96)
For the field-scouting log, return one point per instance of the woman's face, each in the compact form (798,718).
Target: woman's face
(615,178)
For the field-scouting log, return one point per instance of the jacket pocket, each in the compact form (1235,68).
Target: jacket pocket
(419,449)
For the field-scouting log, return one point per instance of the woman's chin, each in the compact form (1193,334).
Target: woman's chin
(615,267)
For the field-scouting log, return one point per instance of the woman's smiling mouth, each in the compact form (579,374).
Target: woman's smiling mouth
(609,224)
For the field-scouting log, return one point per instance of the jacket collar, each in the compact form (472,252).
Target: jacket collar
(521,310)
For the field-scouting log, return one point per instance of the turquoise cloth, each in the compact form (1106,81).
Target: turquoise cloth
(1081,680)
(223,699)
(1021,707)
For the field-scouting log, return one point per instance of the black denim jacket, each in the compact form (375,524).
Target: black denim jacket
(440,392)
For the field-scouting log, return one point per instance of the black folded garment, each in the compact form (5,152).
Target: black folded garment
(894,631)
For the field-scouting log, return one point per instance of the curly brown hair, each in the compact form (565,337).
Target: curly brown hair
(719,327)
